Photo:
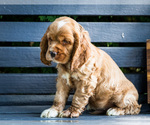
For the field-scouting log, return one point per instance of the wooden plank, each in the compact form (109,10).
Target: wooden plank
(30,56)
(122,55)
(45,83)
(99,31)
(14,110)
(83,2)
(71,7)
(22,109)
(9,100)
(139,80)
(148,69)
(27,83)
(21,57)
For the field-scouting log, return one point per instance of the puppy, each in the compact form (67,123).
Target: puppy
(94,75)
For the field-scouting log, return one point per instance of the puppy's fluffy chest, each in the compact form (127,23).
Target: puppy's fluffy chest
(85,73)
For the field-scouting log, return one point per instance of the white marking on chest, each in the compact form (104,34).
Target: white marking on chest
(67,77)
(75,76)
(61,24)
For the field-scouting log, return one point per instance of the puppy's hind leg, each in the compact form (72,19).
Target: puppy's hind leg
(127,106)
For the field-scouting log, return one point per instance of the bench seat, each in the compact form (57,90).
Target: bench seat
(24,115)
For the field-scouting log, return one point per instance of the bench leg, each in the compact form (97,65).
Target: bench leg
(148,69)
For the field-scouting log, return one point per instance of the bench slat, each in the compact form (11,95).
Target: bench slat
(71,7)
(45,83)
(99,31)
(30,56)
(10,100)
(69,2)
(30,115)
(26,110)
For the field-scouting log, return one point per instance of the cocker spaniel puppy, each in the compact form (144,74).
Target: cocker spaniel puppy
(94,75)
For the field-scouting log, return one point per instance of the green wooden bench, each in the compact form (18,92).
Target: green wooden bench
(23,96)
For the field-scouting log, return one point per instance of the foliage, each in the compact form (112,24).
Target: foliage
(77,18)
(48,18)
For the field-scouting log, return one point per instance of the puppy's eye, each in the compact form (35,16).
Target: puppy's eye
(65,42)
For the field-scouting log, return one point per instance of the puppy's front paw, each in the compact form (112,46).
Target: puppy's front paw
(114,111)
(49,113)
(69,113)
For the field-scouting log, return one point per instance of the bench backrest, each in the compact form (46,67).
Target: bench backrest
(35,88)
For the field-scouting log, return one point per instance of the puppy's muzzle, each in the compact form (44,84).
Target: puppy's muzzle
(53,54)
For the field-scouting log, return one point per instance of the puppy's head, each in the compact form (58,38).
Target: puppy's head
(65,40)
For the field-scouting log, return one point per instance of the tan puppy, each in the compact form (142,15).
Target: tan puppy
(97,79)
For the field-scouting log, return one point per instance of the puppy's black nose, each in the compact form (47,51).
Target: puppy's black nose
(53,54)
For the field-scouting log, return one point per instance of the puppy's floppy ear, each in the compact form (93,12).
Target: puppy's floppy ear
(44,47)
(81,50)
